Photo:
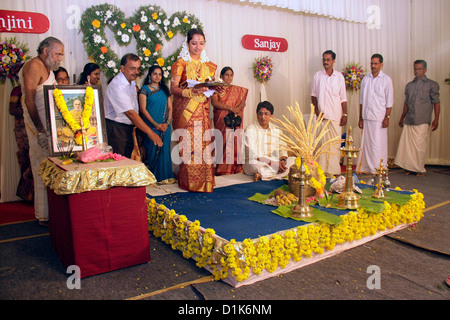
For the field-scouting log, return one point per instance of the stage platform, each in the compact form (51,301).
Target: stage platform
(242,241)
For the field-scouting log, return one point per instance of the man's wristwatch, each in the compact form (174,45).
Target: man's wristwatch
(386,116)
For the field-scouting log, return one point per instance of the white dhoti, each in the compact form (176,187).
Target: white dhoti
(37,153)
(374,147)
(267,171)
(330,162)
(412,148)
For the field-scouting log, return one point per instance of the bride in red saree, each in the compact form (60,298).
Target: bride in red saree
(231,100)
(191,112)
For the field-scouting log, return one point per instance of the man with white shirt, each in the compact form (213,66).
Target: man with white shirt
(329,96)
(263,159)
(376,101)
(122,108)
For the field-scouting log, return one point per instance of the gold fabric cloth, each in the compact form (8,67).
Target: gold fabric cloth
(81,177)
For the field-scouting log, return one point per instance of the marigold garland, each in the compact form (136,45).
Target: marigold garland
(67,116)
(240,259)
(318,185)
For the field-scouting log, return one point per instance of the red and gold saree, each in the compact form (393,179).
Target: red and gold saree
(232,141)
(191,113)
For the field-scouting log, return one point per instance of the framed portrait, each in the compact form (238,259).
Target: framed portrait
(62,136)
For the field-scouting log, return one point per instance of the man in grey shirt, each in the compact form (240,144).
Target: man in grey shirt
(421,98)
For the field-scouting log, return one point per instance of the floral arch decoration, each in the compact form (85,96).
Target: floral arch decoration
(149,25)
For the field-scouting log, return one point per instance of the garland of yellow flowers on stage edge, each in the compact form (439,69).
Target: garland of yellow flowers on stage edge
(238,259)
(67,116)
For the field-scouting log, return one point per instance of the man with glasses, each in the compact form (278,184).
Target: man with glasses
(263,159)
(122,108)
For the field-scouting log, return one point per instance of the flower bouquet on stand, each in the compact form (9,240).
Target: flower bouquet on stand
(304,140)
(353,74)
(13,55)
(262,69)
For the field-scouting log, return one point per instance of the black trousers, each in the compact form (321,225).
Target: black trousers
(120,137)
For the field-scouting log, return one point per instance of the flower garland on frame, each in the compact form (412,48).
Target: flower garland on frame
(262,69)
(353,74)
(67,116)
(239,259)
(13,55)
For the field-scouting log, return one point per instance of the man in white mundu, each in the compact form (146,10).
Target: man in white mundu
(35,74)
(376,101)
(263,158)
(421,98)
(329,96)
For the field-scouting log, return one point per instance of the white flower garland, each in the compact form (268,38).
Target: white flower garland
(149,26)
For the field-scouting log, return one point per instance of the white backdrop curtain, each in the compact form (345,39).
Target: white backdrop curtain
(409,30)
(348,10)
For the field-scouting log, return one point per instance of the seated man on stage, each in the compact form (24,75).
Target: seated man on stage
(263,159)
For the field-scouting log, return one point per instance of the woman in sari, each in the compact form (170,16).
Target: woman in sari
(155,105)
(231,100)
(191,109)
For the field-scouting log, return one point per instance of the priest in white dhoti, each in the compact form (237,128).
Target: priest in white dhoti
(376,101)
(421,98)
(263,158)
(35,74)
(329,96)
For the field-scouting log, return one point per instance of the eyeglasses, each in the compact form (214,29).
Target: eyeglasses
(135,69)
(264,113)
(62,79)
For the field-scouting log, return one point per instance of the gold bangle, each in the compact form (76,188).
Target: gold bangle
(187,93)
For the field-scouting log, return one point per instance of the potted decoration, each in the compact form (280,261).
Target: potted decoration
(302,140)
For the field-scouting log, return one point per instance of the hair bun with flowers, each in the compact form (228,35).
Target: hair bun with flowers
(186,56)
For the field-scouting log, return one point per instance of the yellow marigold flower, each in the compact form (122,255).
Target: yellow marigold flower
(185,20)
(298,162)
(170,34)
(123,25)
(96,23)
(154,15)
(160,61)
(147,52)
